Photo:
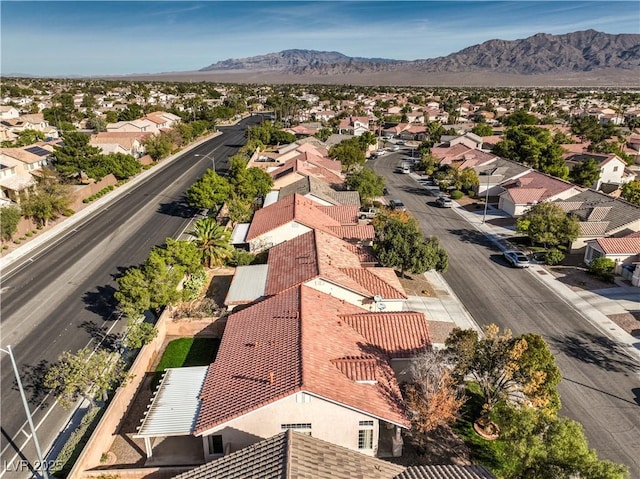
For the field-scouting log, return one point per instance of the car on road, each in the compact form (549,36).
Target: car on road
(395,148)
(516,259)
(444,202)
(397,205)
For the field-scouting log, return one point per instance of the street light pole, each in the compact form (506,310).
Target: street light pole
(213,160)
(486,201)
(43,465)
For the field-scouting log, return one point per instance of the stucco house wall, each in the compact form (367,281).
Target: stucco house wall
(278,235)
(329,421)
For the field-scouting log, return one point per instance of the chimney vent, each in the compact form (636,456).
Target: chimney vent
(272,378)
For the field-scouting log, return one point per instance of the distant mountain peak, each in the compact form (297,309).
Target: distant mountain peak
(542,53)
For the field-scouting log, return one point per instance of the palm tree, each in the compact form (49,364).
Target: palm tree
(213,240)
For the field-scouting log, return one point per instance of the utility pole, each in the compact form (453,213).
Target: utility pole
(42,463)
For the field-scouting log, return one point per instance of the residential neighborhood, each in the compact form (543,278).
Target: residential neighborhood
(311,264)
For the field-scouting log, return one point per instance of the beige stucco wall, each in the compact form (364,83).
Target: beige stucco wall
(278,235)
(329,421)
(360,300)
(608,175)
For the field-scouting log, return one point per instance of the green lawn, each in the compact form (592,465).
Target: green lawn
(185,352)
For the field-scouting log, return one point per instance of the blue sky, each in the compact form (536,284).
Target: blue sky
(120,37)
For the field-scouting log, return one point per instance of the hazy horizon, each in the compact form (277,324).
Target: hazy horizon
(70,38)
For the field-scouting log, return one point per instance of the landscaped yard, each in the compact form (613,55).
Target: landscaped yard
(416,285)
(185,352)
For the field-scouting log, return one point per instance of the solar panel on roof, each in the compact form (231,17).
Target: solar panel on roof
(36,150)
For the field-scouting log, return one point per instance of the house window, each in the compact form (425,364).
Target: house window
(365,435)
(304,428)
(215,445)
(615,168)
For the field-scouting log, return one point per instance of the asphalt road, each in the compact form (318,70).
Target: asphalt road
(601,384)
(60,297)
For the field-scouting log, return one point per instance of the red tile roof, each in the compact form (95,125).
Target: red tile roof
(345,214)
(289,343)
(535,186)
(354,232)
(319,255)
(626,245)
(398,334)
(291,208)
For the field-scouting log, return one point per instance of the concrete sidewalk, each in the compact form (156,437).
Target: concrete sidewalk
(594,306)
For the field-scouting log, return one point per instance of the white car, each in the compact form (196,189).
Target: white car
(516,259)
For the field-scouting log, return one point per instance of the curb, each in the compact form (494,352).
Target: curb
(95,206)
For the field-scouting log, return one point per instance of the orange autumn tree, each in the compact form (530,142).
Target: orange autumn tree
(433,397)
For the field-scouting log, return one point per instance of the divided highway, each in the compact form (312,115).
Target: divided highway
(601,384)
(60,297)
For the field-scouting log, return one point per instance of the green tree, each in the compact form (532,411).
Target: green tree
(631,192)
(138,333)
(163,279)
(252,183)
(75,155)
(548,224)
(26,137)
(586,173)
(466,179)
(209,191)
(132,111)
(240,210)
(89,374)
(133,295)
(399,243)
(97,123)
(122,166)
(182,254)
(536,445)
(213,240)
(9,219)
(482,129)
(540,373)
(533,146)
(366,183)
(349,153)
(520,117)
(158,146)
(495,363)
(50,199)
(111,116)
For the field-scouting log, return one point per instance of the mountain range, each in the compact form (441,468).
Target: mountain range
(584,51)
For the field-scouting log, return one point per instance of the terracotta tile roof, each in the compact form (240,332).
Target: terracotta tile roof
(364,252)
(374,284)
(292,208)
(525,196)
(292,455)
(625,245)
(345,214)
(354,232)
(398,334)
(535,180)
(285,344)
(360,369)
(309,164)
(317,254)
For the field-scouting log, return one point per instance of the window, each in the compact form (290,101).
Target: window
(615,168)
(304,428)
(215,445)
(365,435)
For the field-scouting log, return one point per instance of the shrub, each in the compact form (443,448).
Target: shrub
(602,268)
(553,256)
(17,241)
(28,234)
(5,247)
(456,194)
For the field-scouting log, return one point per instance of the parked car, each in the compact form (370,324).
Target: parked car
(444,202)
(380,152)
(516,259)
(397,205)
(406,170)
(368,213)
(395,148)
